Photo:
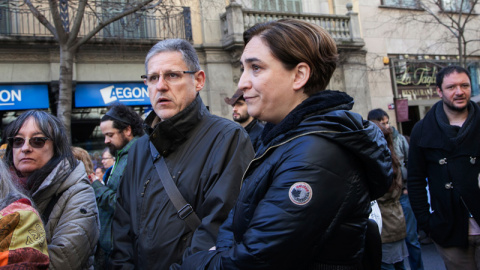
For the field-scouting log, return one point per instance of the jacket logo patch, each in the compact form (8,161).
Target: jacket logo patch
(300,193)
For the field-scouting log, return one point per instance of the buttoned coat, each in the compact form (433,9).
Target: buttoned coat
(452,167)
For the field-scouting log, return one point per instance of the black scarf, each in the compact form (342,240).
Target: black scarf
(455,134)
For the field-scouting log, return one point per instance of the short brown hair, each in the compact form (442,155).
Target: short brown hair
(293,41)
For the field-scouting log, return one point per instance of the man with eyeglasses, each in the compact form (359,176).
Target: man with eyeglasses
(121,126)
(107,161)
(206,156)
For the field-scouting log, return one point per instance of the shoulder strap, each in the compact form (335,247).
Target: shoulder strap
(184,209)
(46,213)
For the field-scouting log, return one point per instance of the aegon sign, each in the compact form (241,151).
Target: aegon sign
(23,97)
(101,95)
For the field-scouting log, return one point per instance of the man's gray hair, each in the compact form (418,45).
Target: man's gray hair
(175,45)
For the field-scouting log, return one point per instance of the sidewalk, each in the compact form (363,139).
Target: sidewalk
(431,258)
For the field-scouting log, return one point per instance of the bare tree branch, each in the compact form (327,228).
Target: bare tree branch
(77,21)
(57,21)
(102,24)
(42,19)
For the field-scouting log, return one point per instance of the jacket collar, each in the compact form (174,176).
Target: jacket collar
(125,149)
(251,125)
(169,134)
(323,102)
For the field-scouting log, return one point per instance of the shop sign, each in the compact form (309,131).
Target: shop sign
(23,97)
(103,95)
(416,80)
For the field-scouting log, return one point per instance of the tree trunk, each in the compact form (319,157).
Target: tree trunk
(64,106)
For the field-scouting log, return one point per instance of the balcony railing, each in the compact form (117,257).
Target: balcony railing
(343,28)
(146,25)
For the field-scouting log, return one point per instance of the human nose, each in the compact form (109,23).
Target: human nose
(459,90)
(244,82)
(26,145)
(161,84)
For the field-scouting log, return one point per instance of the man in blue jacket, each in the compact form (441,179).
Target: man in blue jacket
(444,148)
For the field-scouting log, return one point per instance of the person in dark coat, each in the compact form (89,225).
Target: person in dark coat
(241,116)
(205,154)
(305,198)
(445,154)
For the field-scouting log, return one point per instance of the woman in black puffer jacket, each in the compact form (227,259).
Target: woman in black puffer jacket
(305,198)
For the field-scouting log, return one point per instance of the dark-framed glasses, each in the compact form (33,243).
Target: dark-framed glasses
(35,142)
(170,77)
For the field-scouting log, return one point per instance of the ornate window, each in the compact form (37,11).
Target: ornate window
(132,26)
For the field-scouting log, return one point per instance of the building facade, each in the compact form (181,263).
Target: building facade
(407,42)
(374,46)
(108,67)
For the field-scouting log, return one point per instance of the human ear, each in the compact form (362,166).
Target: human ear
(199,80)
(128,131)
(302,75)
(439,92)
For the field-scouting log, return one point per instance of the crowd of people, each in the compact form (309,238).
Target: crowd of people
(288,187)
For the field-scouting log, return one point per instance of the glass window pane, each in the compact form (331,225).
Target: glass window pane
(457,5)
(278,5)
(401,3)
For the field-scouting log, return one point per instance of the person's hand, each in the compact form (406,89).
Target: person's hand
(92,177)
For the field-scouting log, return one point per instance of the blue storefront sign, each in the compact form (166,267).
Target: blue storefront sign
(23,97)
(102,95)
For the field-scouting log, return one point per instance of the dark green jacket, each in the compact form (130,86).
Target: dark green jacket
(106,196)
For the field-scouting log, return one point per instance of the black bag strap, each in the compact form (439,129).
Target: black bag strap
(184,210)
(46,213)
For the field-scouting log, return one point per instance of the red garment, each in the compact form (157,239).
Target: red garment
(22,237)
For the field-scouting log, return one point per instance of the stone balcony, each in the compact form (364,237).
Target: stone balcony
(344,29)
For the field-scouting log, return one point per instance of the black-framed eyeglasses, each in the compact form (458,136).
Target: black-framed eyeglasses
(35,142)
(171,77)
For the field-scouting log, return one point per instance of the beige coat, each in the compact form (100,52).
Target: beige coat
(393,221)
(73,227)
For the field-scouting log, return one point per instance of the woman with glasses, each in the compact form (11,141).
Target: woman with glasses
(41,160)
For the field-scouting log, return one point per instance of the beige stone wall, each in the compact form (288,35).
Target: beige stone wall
(223,71)
(125,63)
(387,32)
